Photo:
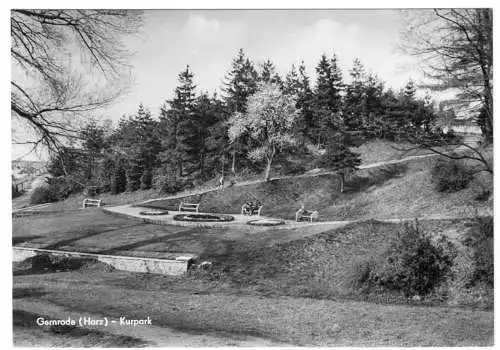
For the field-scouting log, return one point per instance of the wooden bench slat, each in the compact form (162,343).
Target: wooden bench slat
(91,202)
(189,206)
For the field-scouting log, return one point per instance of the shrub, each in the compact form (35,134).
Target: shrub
(56,189)
(412,264)
(451,176)
(41,195)
(479,238)
(359,278)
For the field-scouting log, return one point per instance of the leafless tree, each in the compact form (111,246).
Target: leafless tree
(49,88)
(456,51)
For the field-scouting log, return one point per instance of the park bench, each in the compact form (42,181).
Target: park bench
(302,214)
(89,202)
(189,206)
(251,208)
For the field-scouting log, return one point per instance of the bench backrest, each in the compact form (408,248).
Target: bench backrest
(91,202)
(192,206)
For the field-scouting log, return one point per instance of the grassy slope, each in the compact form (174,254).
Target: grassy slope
(376,151)
(324,265)
(393,191)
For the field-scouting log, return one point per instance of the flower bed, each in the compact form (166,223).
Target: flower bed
(152,212)
(266,222)
(197,217)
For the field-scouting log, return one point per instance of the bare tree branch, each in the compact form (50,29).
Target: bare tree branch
(44,86)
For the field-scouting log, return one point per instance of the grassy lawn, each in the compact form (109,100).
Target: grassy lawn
(26,334)
(295,321)
(266,287)
(301,262)
(91,230)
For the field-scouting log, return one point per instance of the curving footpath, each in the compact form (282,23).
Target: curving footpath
(319,173)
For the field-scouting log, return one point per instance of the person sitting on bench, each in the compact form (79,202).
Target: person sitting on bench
(251,208)
(302,213)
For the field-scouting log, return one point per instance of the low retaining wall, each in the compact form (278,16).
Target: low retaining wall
(127,263)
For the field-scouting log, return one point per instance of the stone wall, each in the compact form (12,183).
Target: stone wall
(126,263)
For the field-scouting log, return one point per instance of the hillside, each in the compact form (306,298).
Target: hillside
(403,190)
(325,265)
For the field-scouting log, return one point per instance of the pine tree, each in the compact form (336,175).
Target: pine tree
(269,74)
(328,96)
(211,116)
(119,179)
(179,129)
(292,82)
(354,105)
(217,140)
(392,120)
(240,83)
(93,144)
(371,108)
(305,101)
(338,157)
(138,142)
(415,113)
(293,87)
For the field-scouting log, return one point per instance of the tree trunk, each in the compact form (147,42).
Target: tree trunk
(268,170)
(233,164)
(269,163)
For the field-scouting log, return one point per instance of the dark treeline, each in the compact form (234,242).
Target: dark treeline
(188,142)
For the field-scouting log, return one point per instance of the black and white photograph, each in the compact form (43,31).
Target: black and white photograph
(229,177)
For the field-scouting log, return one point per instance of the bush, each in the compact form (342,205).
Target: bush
(359,278)
(56,189)
(451,176)
(41,195)
(413,264)
(479,238)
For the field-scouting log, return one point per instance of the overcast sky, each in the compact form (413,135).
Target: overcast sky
(208,40)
